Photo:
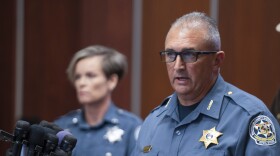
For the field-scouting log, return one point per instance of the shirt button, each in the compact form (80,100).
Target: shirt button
(75,120)
(178,132)
(108,154)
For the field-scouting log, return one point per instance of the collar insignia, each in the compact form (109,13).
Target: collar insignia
(210,136)
(147,149)
(262,131)
(114,134)
(210,105)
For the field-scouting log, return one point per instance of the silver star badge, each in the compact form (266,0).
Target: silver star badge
(114,134)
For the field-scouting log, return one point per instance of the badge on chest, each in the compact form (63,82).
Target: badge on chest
(210,137)
(114,134)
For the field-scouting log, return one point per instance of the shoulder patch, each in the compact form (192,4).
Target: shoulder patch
(262,131)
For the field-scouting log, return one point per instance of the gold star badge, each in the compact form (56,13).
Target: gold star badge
(210,136)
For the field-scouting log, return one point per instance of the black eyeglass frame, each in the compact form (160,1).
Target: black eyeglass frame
(195,53)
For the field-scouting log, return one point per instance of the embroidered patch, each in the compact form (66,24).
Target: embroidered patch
(262,131)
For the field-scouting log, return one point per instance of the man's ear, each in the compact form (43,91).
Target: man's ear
(113,81)
(220,56)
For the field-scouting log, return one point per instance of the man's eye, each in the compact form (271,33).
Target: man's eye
(188,54)
(170,54)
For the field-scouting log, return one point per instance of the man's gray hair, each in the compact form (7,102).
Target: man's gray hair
(198,21)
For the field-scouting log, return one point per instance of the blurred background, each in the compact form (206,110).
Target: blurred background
(38,39)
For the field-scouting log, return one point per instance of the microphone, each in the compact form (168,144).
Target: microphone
(51,142)
(23,150)
(66,141)
(36,140)
(51,147)
(5,136)
(45,139)
(50,125)
(58,152)
(20,134)
(61,135)
(46,145)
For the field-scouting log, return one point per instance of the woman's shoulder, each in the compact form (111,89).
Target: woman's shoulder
(67,118)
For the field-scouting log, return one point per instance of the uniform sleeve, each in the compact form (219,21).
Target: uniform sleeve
(144,134)
(135,124)
(261,137)
(133,138)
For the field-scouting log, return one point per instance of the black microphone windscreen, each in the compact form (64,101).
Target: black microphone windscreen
(48,130)
(22,124)
(51,125)
(58,152)
(68,143)
(20,134)
(53,138)
(51,143)
(21,130)
(61,135)
(36,139)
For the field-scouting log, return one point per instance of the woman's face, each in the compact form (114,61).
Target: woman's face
(91,84)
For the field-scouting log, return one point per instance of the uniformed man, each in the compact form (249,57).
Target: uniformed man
(205,116)
(101,128)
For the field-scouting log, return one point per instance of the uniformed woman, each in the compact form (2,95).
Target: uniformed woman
(101,128)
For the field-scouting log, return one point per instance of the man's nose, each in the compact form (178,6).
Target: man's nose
(179,63)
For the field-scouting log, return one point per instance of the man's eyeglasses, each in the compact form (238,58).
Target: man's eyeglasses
(188,56)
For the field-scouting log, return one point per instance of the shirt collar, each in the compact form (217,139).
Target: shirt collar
(171,107)
(110,117)
(210,104)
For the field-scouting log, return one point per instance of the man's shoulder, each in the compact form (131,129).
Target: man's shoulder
(160,108)
(245,100)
